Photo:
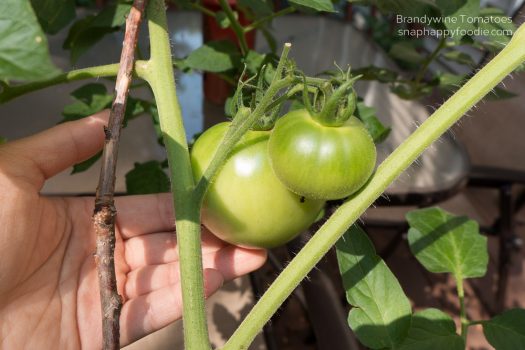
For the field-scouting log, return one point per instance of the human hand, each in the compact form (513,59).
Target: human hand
(49,295)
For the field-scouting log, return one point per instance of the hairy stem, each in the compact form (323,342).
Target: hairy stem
(442,119)
(187,216)
(105,212)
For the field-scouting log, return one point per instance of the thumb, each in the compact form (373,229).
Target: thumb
(47,153)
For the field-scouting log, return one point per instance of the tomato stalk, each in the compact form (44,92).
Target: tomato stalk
(159,75)
(398,161)
(242,122)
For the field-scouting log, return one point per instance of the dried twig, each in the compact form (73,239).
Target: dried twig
(104,214)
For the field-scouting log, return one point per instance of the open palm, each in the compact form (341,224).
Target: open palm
(49,295)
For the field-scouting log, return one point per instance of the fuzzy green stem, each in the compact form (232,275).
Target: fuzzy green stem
(268,18)
(448,114)
(187,215)
(462,311)
(236,26)
(8,93)
(241,123)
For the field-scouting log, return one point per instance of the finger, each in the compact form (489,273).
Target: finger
(231,261)
(49,152)
(161,248)
(144,214)
(150,312)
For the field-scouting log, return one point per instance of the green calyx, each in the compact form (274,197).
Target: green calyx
(332,106)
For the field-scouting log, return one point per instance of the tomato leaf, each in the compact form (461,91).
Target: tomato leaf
(89,30)
(506,331)
(147,178)
(381,314)
(89,99)
(260,8)
(405,7)
(316,5)
(215,56)
(432,329)
(442,242)
(24,54)
(498,23)
(373,125)
(456,14)
(85,165)
(54,15)
(406,52)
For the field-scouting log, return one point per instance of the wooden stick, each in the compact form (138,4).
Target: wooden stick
(105,212)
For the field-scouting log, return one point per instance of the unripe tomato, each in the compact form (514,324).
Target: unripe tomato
(246,204)
(317,161)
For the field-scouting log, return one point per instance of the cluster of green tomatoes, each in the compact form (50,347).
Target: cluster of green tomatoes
(275,183)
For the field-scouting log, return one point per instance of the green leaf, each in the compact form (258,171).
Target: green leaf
(411,8)
(381,314)
(254,61)
(24,54)
(54,15)
(458,14)
(406,52)
(89,30)
(215,56)
(380,74)
(90,99)
(85,165)
(374,126)
(316,5)
(409,91)
(147,178)
(496,22)
(459,57)
(260,8)
(442,242)
(506,331)
(432,329)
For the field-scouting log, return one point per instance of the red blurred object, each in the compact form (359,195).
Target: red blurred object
(217,90)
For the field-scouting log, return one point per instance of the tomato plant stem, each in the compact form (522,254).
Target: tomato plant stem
(268,18)
(439,122)
(187,216)
(462,311)
(242,122)
(8,93)
(236,26)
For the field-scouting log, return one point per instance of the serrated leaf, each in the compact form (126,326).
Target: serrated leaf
(442,242)
(147,178)
(90,99)
(374,126)
(24,54)
(406,52)
(215,56)
(383,75)
(54,15)
(459,57)
(506,331)
(89,30)
(316,5)
(85,165)
(381,314)
(432,329)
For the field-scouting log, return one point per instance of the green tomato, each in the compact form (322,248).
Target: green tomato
(246,204)
(322,162)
